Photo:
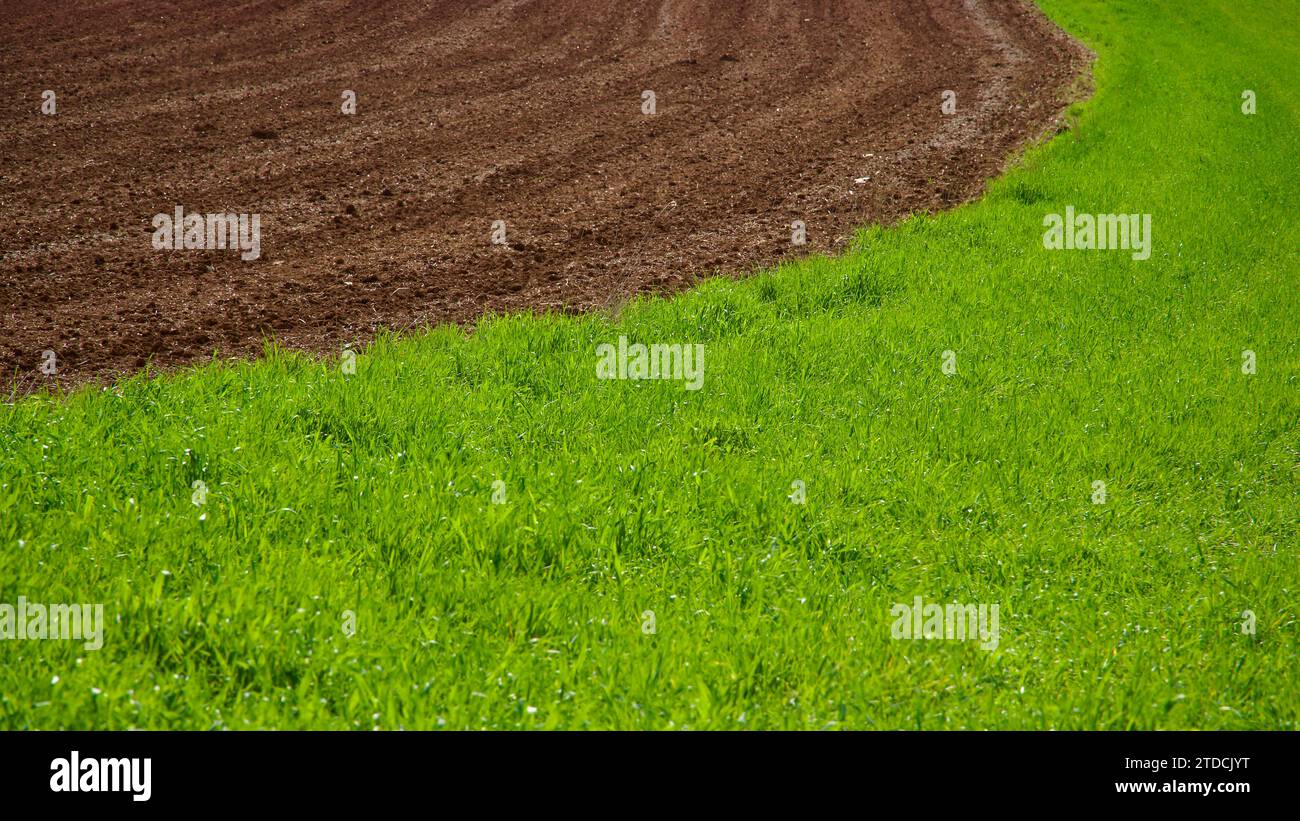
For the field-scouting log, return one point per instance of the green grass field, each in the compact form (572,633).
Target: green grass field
(372,492)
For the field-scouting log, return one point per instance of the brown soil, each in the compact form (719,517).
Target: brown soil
(527,111)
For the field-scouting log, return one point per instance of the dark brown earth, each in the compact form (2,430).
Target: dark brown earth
(527,111)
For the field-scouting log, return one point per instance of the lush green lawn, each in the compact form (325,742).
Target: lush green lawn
(373,492)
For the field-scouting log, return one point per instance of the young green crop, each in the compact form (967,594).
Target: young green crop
(472,530)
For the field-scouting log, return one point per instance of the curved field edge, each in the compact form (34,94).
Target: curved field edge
(372,494)
(762,123)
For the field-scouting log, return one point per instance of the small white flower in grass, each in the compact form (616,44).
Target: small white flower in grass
(531,709)
(54,680)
